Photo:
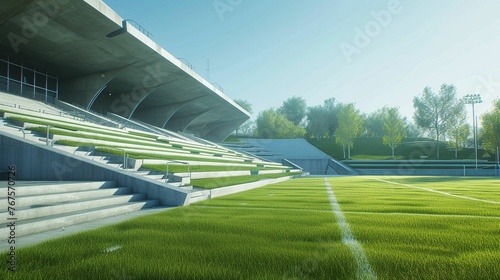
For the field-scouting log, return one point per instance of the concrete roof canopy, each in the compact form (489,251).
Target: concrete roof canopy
(105,64)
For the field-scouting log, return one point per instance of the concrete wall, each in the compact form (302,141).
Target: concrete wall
(245,187)
(313,166)
(36,162)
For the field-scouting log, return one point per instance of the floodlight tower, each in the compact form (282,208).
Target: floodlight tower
(473,99)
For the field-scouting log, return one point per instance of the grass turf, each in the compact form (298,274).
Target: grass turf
(412,233)
(226,238)
(288,231)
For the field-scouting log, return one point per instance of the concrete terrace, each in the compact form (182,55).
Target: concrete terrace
(85,174)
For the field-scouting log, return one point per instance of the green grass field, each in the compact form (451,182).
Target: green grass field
(409,228)
(437,231)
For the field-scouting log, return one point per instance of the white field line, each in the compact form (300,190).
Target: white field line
(364,270)
(439,192)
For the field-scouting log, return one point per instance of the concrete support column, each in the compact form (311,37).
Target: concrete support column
(84,90)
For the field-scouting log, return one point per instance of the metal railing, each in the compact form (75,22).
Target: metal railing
(174,162)
(55,112)
(125,157)
(185,62)
(140,28)
(473,171)
(217,86)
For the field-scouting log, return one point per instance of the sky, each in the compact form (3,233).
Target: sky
(372,53)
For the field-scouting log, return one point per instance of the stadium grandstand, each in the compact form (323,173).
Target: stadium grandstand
(98,121)
(108,65)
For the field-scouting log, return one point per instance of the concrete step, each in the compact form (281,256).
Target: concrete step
(141,173)
(69,149)
(156,177)
(31,188)
(94,158)
(50,199)
(61,221)
(115,165)
(82,153)
(175,184)
(28,213)
(199,196)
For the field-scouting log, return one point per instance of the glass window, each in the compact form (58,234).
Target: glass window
(14,87)
(28,76)
(40,80)
(3,55)
(3,68)
(28,63)
(3,84)
(15,59)
(51,96)
(40,93)
(52,84)
(15,72)
(28,91)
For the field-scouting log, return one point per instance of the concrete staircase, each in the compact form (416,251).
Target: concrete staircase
(182,181)
(45,206)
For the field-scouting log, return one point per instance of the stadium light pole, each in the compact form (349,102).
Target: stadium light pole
(473,99)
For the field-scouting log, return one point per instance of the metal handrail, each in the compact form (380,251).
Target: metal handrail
(181,162)
(217,86)
(185,62)
(61,113)
(140,28)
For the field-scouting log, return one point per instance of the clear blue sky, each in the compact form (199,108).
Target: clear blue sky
(266,51)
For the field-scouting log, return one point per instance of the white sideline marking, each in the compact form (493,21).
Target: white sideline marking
(440,192)
(109,250)
(364,270)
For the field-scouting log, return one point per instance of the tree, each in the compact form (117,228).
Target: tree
(491,128)
(244,104)
(411,129)
(331,110)
(247,127)
(322,120)
(435,112)
(350,127)
(317,121)
(394,128)
(273,125)
(374,123)
(458,132)
(294,109)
